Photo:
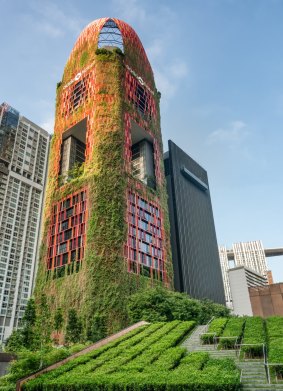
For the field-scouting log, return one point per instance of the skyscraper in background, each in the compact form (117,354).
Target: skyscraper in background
(195,255)
(23,164)
(249,254)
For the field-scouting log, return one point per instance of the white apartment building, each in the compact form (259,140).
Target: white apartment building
(24,150)
(251,255)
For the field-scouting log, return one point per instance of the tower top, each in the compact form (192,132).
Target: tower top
(113,33)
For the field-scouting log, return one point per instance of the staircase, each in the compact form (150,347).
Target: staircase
(253,371)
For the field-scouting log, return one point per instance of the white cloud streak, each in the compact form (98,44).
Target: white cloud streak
(54,21)
(236,132)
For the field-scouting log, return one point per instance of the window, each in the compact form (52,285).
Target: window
(142,156)
(73,151)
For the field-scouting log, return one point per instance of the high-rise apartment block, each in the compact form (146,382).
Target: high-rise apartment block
(105,224)
(23,164)
(196,263)
(249,254)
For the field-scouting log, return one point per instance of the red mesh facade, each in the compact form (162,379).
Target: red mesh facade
(83,95)
(144,248)
(66,237)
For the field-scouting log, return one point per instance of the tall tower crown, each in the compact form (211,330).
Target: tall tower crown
(106,32)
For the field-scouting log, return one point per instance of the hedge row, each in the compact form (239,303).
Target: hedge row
(232,333)
(155,350)
(274,328)
(215,329)
(153,363)
(217,375)
(254,335)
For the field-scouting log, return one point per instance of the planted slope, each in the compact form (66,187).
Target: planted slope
(150,359)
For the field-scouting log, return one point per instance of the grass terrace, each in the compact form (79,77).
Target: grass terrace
(148,359)
(215,329)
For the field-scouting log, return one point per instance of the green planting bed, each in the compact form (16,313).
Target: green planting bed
(147,360)
(254,337)
(215,329)
(232,333)
(274,328)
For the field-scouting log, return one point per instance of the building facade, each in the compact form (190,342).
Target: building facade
(105,210)
(267,300)
(23,164)
(224,262)
(252,255)
(241,279)
(196,263)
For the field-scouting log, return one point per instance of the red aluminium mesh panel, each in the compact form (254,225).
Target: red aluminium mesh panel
(66,236)
(140,96)
(144,249)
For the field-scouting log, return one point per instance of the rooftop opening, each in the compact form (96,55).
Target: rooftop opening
(110,36)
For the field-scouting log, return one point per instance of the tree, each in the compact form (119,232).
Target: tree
(210,309)
(162,305)
(98,328)
(74,327)
(58,320)
(15,342)
(43,322)
(28,325)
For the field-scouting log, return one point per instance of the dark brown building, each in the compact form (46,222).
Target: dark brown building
(267,300)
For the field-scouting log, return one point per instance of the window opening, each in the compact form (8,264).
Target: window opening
(73,151)
(110,36)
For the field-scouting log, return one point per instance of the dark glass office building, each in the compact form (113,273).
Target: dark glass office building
(193,239)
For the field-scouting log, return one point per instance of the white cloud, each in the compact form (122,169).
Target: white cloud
(49,18)
(233,134)
(48,124)
(168,78)
(131,10)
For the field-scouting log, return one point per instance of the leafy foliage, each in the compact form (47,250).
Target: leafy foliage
(215,329)
(232,333)
(161,305)
(74,327)
(254,334)
(274,328)
(126,365)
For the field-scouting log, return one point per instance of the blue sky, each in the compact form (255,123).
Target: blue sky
(219,67)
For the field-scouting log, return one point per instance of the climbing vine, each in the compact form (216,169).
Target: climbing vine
(98,288)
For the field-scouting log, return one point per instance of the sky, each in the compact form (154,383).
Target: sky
(219,67)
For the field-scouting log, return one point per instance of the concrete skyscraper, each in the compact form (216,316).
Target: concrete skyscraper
(23,164)
(105,209)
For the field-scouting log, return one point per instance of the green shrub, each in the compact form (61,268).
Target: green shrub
(275,351)
(162,305)
(232,333)
(164,366)
(274,327)
(216,328)
(254,334)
